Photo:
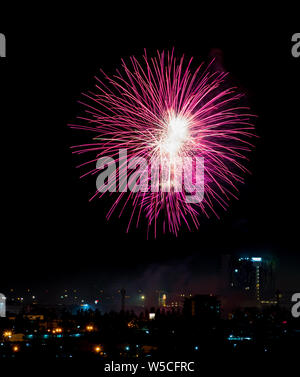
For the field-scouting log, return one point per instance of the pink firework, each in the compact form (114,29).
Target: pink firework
(161,109)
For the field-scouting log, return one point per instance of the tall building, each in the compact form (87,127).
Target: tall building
(162,299)
(254,276)
(205,306)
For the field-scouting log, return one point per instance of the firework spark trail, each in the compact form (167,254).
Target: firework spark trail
(160,110)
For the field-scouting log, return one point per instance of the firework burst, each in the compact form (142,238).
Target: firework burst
(161,109)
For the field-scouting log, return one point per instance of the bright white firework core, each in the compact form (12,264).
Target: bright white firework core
(173,140)
(177,134)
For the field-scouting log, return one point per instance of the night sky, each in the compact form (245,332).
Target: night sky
(52,233)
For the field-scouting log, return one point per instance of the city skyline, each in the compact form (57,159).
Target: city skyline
(77,286)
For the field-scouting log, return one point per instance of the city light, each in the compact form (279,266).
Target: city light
(239,338)
(84,306)
(89,328)
(57,330)
(131,324)
(97,349)
(256,259)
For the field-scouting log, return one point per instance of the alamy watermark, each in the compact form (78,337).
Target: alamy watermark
(2,305)
(296,47)
(2,46)
(296,307)
(136,174)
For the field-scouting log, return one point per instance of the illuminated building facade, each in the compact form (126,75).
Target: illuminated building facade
(255,276)
(162,299)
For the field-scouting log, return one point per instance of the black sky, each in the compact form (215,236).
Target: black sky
(50,230)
